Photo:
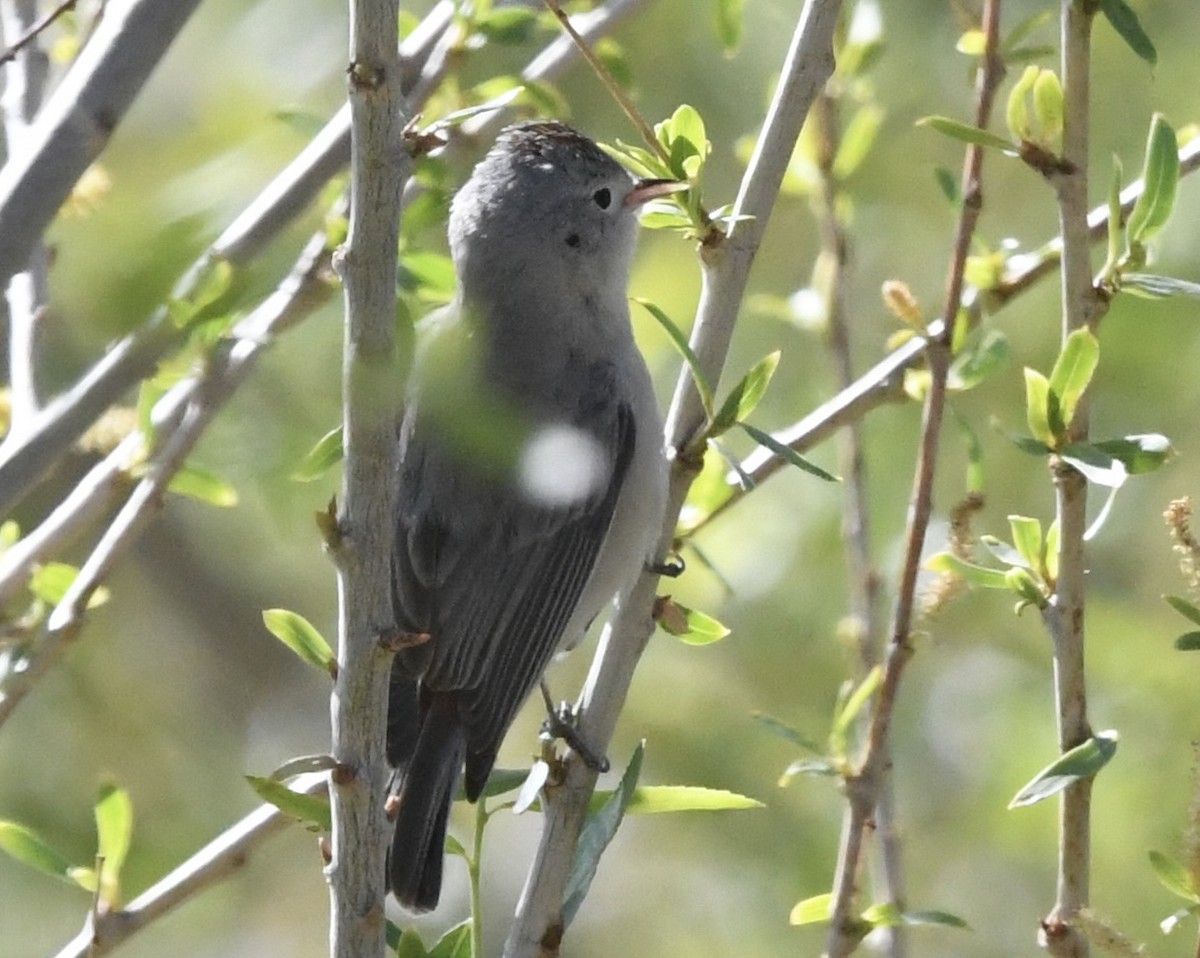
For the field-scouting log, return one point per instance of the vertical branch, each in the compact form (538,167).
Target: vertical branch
(24,84)
(1082,306)
(864,786)
(862,626)
(372,377)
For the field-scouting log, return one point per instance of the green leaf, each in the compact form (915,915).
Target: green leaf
(303,765)
(1027,537)
(205,486)
(980,359)
(10,535)
(1160,178)
(1158,287)
(1037,407)
(882,915)
(1126,23)
(1025,29)
(1016,113)
(729,24)
(1114,220)
(857,139)
(1048,107)
(811,911)
(51,580)
(657,799)
(967,134)
(1174,877)
(808,766)
(856,701)
(1188,642)
(507,24)
(695,628)
(430,276)
(745,395)
(680,342)
(1083,761)
(326,454)
(455,943)
(1073,370)
(684,138)
(598,830)
(1139,453)
(786,732)
(934,917)
(1026,587)
(313,810)
(1051,552)
(949,563)
(1184,608)
(1004,552)
(786,453)
(299,635)
(947,184)
(409,944)
(114,830)
(27,847)
(1097,467)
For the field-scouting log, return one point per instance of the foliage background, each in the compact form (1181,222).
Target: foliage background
(176,690)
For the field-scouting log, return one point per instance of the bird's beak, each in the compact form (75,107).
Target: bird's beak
(646,190)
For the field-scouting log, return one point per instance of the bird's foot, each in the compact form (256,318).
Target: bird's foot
(562,723)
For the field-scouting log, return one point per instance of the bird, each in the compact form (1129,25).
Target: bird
(531,487)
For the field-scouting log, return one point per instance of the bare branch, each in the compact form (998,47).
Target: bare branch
(195,402)
(79,117)
(372,386)
(26,457)
(27,294)
(539,924)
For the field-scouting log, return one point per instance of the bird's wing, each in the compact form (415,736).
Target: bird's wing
(493,577)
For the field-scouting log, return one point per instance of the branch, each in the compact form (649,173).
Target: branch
(372,372)
(27,293)
(538,926)
(224,856)
(194,402)
(866,784)
(1082,307)
(25,458)
(884,382)
(79,117)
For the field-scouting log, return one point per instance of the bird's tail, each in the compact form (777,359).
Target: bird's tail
(426,793)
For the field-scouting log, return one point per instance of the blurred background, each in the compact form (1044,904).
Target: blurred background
(176,690)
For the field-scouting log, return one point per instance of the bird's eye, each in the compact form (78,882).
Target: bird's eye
(573,239)
(602,197)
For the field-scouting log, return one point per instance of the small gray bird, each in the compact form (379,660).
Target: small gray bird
(532,480)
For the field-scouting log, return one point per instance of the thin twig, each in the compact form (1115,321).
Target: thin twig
(26,457)
(863,625)
(884,382)
(196,402)
(538,927)
(225,855)
(864,785)
(36,30)
(610,84)
(28,291)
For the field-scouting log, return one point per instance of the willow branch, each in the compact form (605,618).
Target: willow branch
(865,784)
(221,858)
(1082,307)
(372,385)
(538,927)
